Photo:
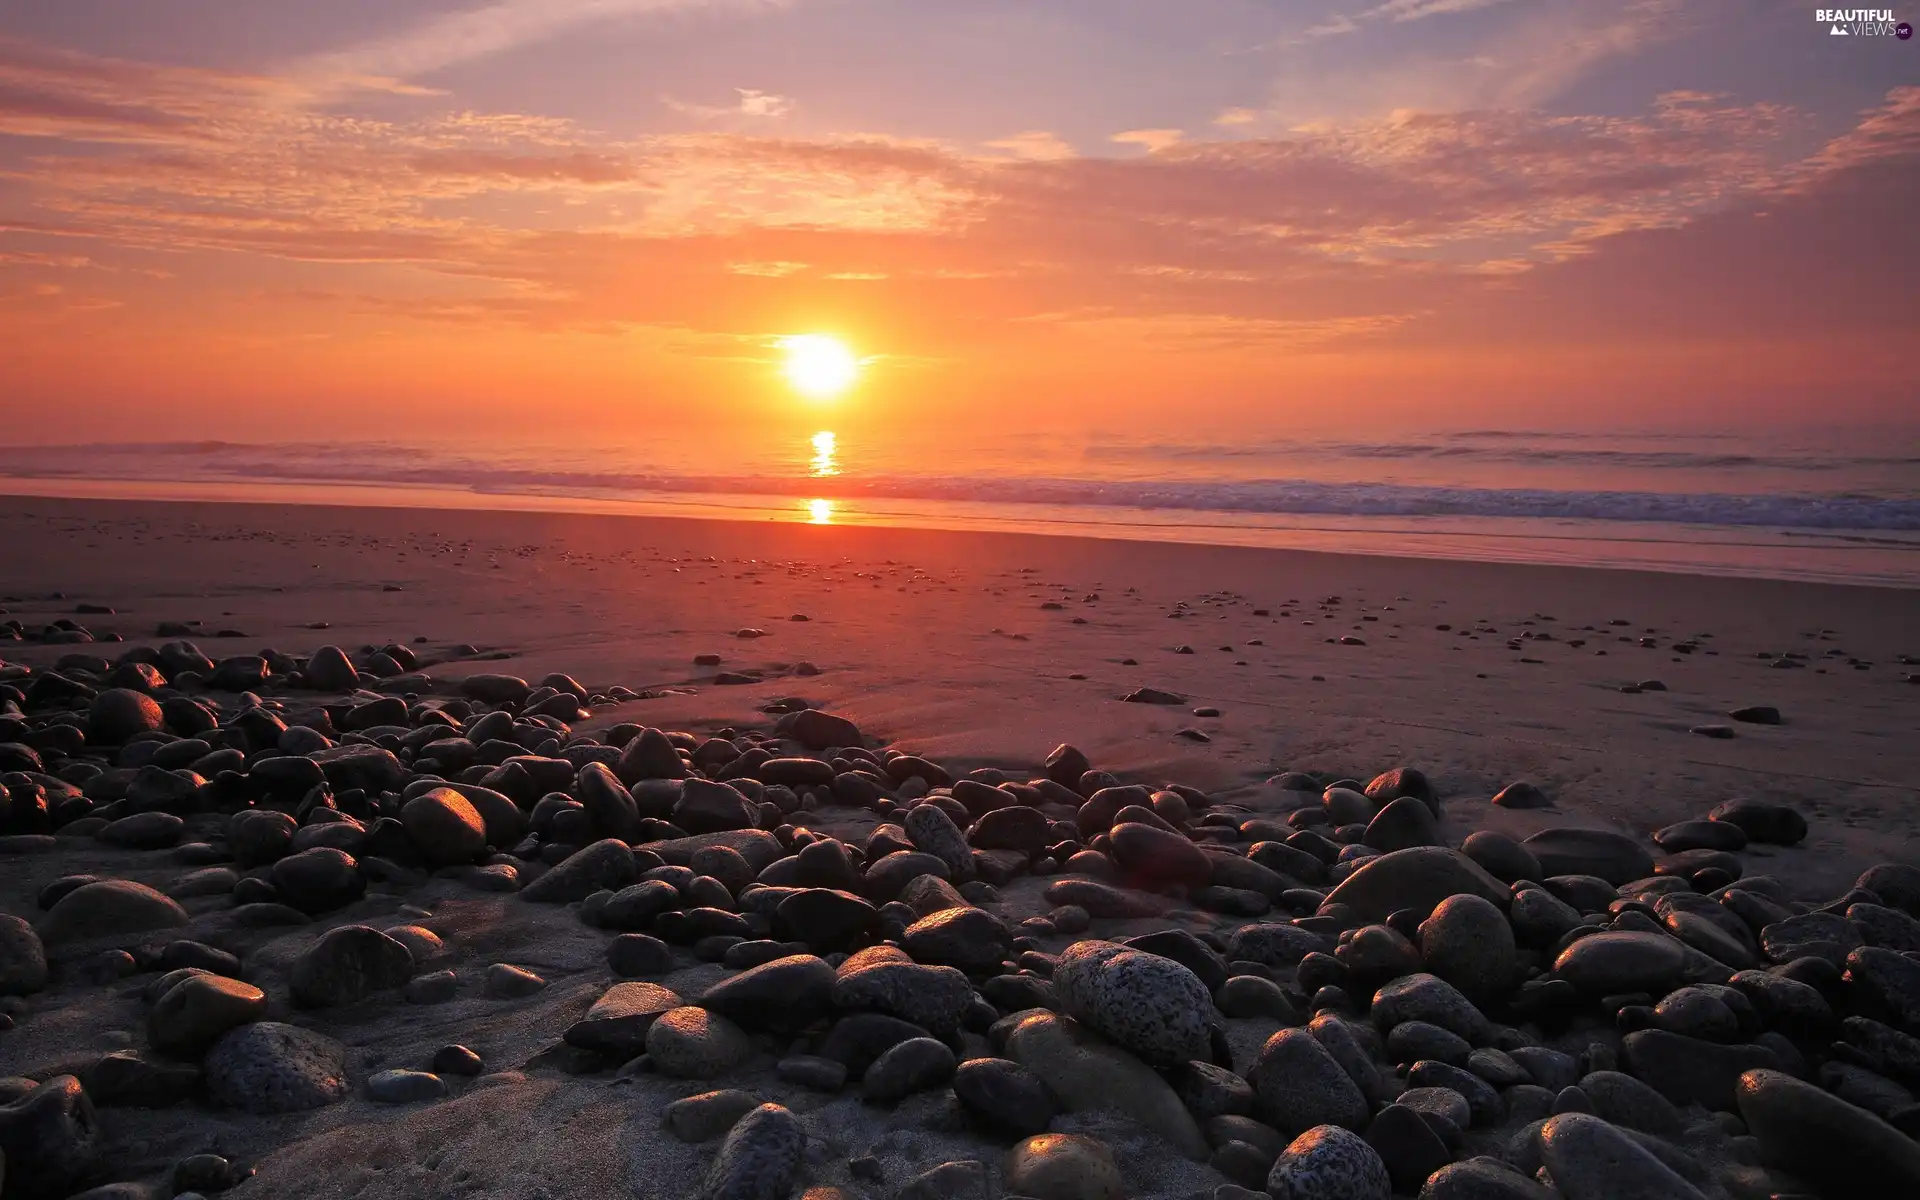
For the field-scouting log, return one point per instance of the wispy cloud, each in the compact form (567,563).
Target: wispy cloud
(752,103)
(1397,11)
(454,38)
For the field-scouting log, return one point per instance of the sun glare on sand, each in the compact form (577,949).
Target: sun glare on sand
(818,365)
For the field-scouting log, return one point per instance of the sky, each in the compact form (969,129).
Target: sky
(596,219)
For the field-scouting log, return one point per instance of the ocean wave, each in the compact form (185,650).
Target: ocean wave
(410,466)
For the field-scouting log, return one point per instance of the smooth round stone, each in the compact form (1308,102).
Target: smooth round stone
(1701,835)
(1298,1085)
(192,1014)
(1468,942)
(933,832)
(1614,857)
(1696,1012)
(143,831)
(348,964)
(1157,857)
(914,1065)
(1428,998)
(1591,1160)
(1441,1102)
(457,1060)
(1062,1166)
(1005,1095)
(617,1023)
(117,714)
(1407,1145)
(1254,996)
(782,996)
(1100,899)
(707,1116)
(813,1072)
(1776,824)
(1402,824)
(1211,1091)
(1624,1100)
(445,827)
(934,998)
(605,864)
(435,987)
(399,1086)
(1329,1163)
(1090,1074)
(1482,1179)
(267,1067)
(318,880)
(1419,879)
(49,1138)
(1412,1041)
(760,1159)
(1539,918)
(23,959)
(1831,1142)
(967,938)
(504,981)
(1622,963)
(828,920)
(1501,856)
(1151,1005)
(692,1043)
(109,908)
(634,954)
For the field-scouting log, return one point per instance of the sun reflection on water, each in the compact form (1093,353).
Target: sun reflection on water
(825,449)
(820,512)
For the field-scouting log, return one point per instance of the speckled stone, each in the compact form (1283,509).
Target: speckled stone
(933,832)
(268,1067)
(347,964)
(934,998)
(1329,1163)
(1591,1160)
(760,1158)
(693,1043)
(1297,1085)
(1151,1005)
(1063,1166)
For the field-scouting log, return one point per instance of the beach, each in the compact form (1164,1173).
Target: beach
(1611,691)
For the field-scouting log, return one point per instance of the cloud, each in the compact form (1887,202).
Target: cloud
(1397,11)
(1149,139)
(455,38)
(1035,145)
(752,103)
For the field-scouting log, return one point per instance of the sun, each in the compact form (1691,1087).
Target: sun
(819,365)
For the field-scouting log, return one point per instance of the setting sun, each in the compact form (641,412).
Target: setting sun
(818,365)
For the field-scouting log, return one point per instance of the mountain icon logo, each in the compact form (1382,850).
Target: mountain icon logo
(1839,32)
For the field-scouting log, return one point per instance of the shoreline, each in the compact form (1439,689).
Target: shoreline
(1795,560)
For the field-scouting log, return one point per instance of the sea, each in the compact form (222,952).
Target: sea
(1822,506)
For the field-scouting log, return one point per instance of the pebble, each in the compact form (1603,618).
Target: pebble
(1482,1179)
(1089,1074)
(1329,1163)
(783,996)
(967,938)
(912,1066)
(707,1116)
(617,1023)
(457,1060)
(692,1043)
(1468,942)
(196,1011)
(1005,1095)
(400,1086)
(267,1067)
(504,981)
(1614,857)
(760,1158)
(934,998)
(445,827)
(109,908)
(1151,1005)
(1419,879)
(1298,1085)
(1591,1160)
(23,958)
(49,1138)
(1064,1166)
(934,832)
(1407,1146)
(346,965)
(1831,1142)
(814,1072)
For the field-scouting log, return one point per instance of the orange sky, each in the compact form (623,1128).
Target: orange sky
(412,221)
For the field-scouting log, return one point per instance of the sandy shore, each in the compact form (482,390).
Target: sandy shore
(972,649)
(939,641)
